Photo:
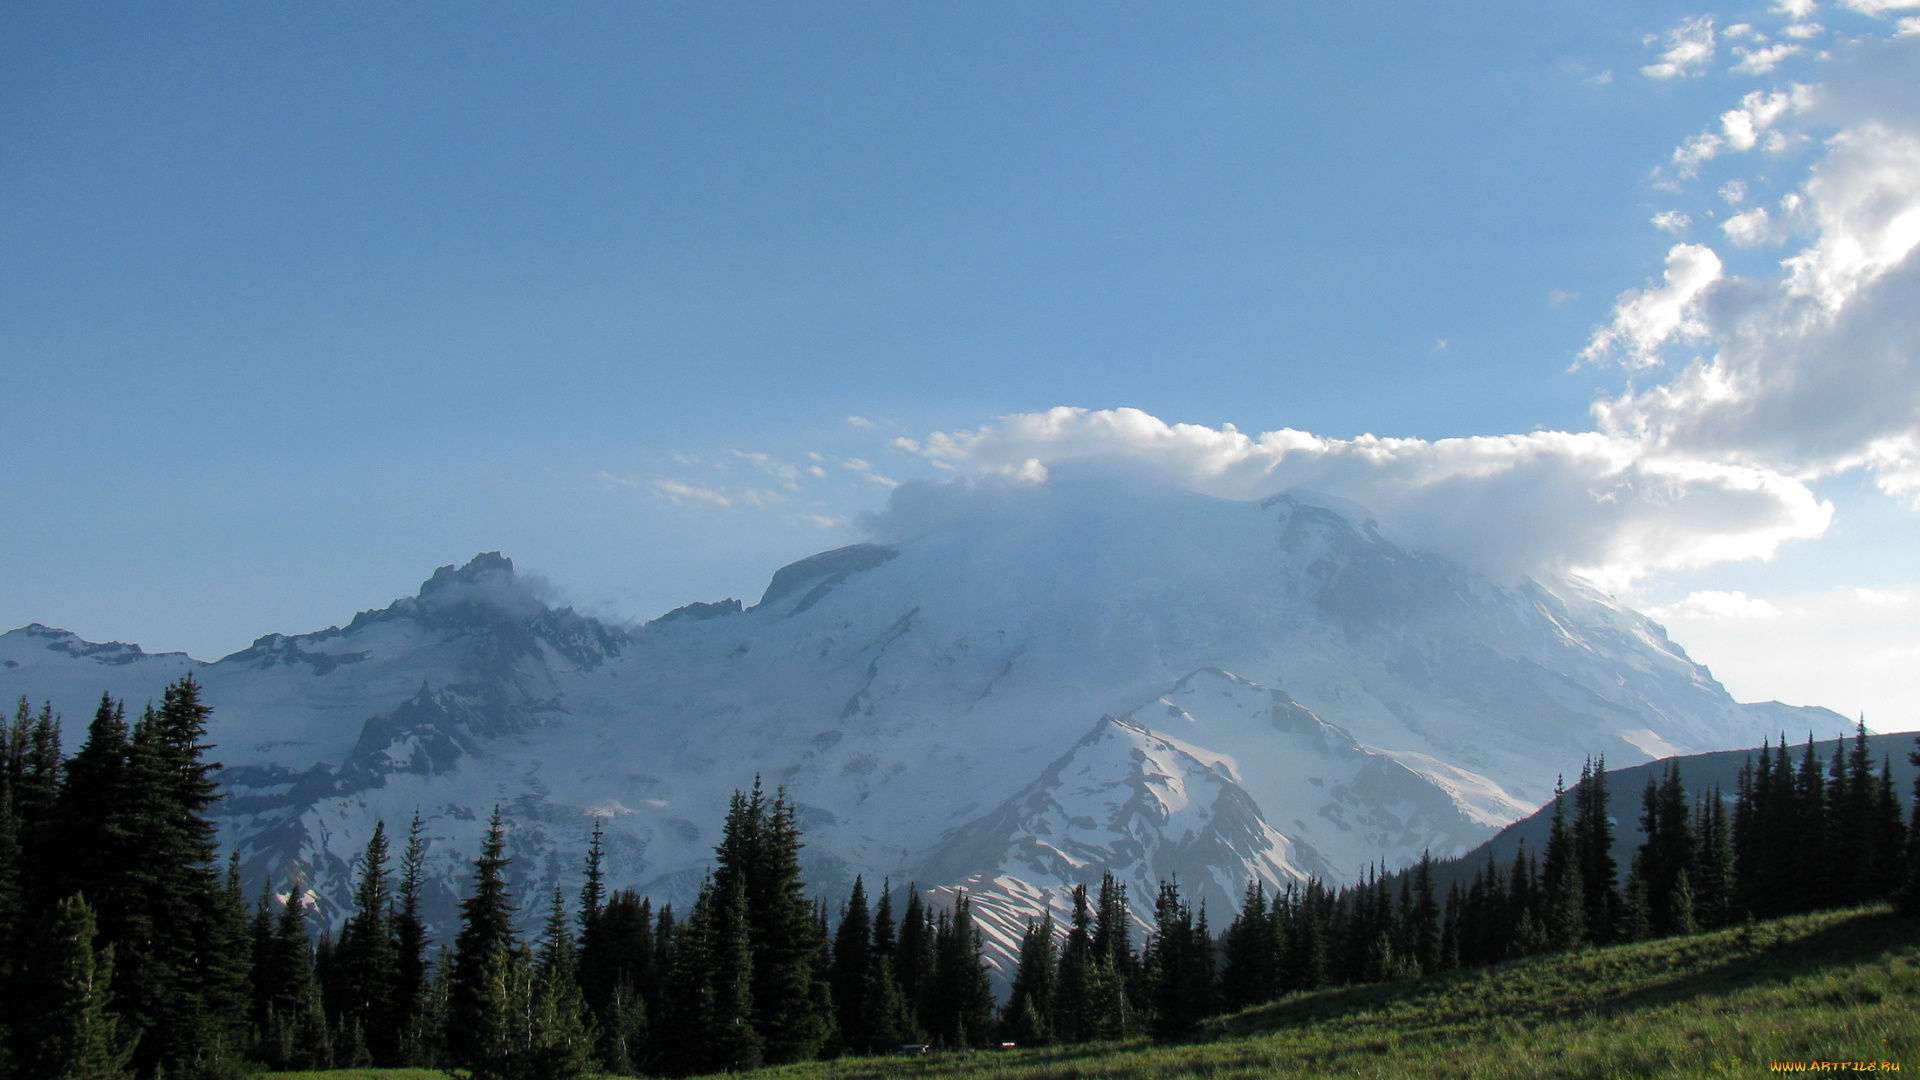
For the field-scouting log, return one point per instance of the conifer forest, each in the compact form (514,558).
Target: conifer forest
(129,948)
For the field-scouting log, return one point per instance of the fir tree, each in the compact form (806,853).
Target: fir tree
(1251,975)
(1028,1018)
(71,1034)
(410,942)
(963,1013)
(853,968)
(367,957)
(1593,844)
(1072,990)
(1566,901)
(480,972)
(291,1028)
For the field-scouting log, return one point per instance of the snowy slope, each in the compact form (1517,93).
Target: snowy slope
(934,701)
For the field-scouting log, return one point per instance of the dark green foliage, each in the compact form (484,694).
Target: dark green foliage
(1251,973)
(367,960)
(960,1010)
(1179,966)
(291,1030)
(413,1035)
(481,972)
(70,1034)
(1028,1017)
(851,973)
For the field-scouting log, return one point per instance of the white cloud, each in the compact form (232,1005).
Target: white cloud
(1644,320)
(1879,7)
(1689,46)
(1672,221)
(1762,61)
(1558,298)
(1742,30)
(1817,369)
(1796,9)
(1590,503)
(861,422)
(1734,192)
(1752,229)
(1716,605)
(1805,31)
(679,492)
(1910,25)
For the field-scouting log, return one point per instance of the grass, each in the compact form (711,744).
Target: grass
(1841,986)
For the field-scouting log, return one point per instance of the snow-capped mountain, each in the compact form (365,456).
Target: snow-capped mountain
(1011,691)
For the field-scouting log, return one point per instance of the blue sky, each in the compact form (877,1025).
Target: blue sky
(298,303)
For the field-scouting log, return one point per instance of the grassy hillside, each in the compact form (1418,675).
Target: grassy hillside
(1838,986)
(1841,986)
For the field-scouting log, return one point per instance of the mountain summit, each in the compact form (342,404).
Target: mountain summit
(1010,691)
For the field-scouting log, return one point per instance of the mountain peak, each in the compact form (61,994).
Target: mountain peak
(487,564)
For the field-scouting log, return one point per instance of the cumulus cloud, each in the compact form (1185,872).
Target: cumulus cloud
(1672,221)
(1644,320)
(1796,9)
(1587,502)
(1752,228)
(1689,47)
(1762,61)
(1817,368)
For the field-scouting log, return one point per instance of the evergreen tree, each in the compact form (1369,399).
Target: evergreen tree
(1252,971)
(71,1034)
(1028,1019)
(1713,883)
(1907,900)
(563,1037)
(890,1020)
(1178,966)
(1072,1005)
(1565,912)
(367,957)
(853,968)
(1593,843)
(291,1027)
(481,972)
(962,1005)
(736,1042)
(414,1033)
(913,956)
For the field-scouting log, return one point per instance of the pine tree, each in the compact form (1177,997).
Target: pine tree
(415,1035)
(1714,885)
(962,1005)
(1565,912)
(564,1039)
(1178,966)
(1252,972)
(735,1041)
(71,1034)
(291,1027)
(853,968)
(1028,1018)
(367,957)
(479,975)
(1072,1004)
(1593,843)
(913,956)
(1907,900)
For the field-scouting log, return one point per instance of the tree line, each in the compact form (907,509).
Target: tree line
(126,951)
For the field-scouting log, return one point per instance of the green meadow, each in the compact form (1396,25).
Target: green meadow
(1834,987)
